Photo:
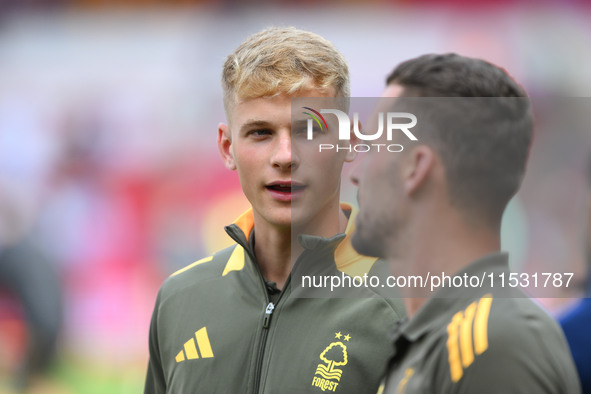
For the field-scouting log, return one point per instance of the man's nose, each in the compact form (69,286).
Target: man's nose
(284,157)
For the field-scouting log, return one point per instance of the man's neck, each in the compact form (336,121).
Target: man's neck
(273,250)
(442,252)
(277,248)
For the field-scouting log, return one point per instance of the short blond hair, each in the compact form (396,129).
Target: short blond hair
(283,60)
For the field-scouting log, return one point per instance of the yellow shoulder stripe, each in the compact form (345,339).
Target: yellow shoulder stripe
(481,325)
(467,336)
(455,365)
(236,260)
(204,260)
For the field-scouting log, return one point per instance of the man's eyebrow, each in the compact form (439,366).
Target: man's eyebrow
(254,123)
(299,123)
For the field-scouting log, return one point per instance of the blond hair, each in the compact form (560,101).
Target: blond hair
(283,60)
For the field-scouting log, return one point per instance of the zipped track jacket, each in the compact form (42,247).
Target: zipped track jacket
(216,329)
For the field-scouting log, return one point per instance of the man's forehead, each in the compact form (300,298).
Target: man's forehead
(259,109)
(280,105)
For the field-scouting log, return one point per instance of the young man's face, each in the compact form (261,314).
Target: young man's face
(281,173)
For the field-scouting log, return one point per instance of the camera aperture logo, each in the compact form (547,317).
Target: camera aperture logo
(391,120)
(315,117)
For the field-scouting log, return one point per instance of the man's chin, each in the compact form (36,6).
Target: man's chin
(279,218)
(365,246)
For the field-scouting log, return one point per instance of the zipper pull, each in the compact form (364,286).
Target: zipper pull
(268,313)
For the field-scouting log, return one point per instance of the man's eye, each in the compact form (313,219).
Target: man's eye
(260,132)
(305,131)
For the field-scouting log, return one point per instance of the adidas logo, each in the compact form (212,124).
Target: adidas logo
(189,351)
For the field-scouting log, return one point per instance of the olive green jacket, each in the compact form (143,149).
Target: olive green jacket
(215,328)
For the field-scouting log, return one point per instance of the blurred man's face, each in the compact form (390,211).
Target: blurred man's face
(282,174)
(379,196)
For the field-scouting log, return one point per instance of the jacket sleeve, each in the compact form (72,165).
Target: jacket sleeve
(155,382)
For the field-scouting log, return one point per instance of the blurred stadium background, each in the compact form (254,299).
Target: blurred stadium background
(109,173)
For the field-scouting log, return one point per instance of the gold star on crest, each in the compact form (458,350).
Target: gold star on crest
(338,335)
(347,337)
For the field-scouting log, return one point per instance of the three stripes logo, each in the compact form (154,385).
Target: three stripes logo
(190,352)
(468,336)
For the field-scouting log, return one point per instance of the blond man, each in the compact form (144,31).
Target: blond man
(231,322)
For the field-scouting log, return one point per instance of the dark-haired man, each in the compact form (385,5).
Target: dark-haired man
(435,209)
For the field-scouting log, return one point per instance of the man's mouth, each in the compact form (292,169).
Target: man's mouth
(285,190)
(287,187)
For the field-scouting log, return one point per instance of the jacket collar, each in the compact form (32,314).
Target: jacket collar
(346,258)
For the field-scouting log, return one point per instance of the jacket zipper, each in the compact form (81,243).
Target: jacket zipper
(268,310)
(266,322)
(263,343)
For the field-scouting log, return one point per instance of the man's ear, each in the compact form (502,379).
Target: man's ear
(225,146)
(418,166)
(350,156)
